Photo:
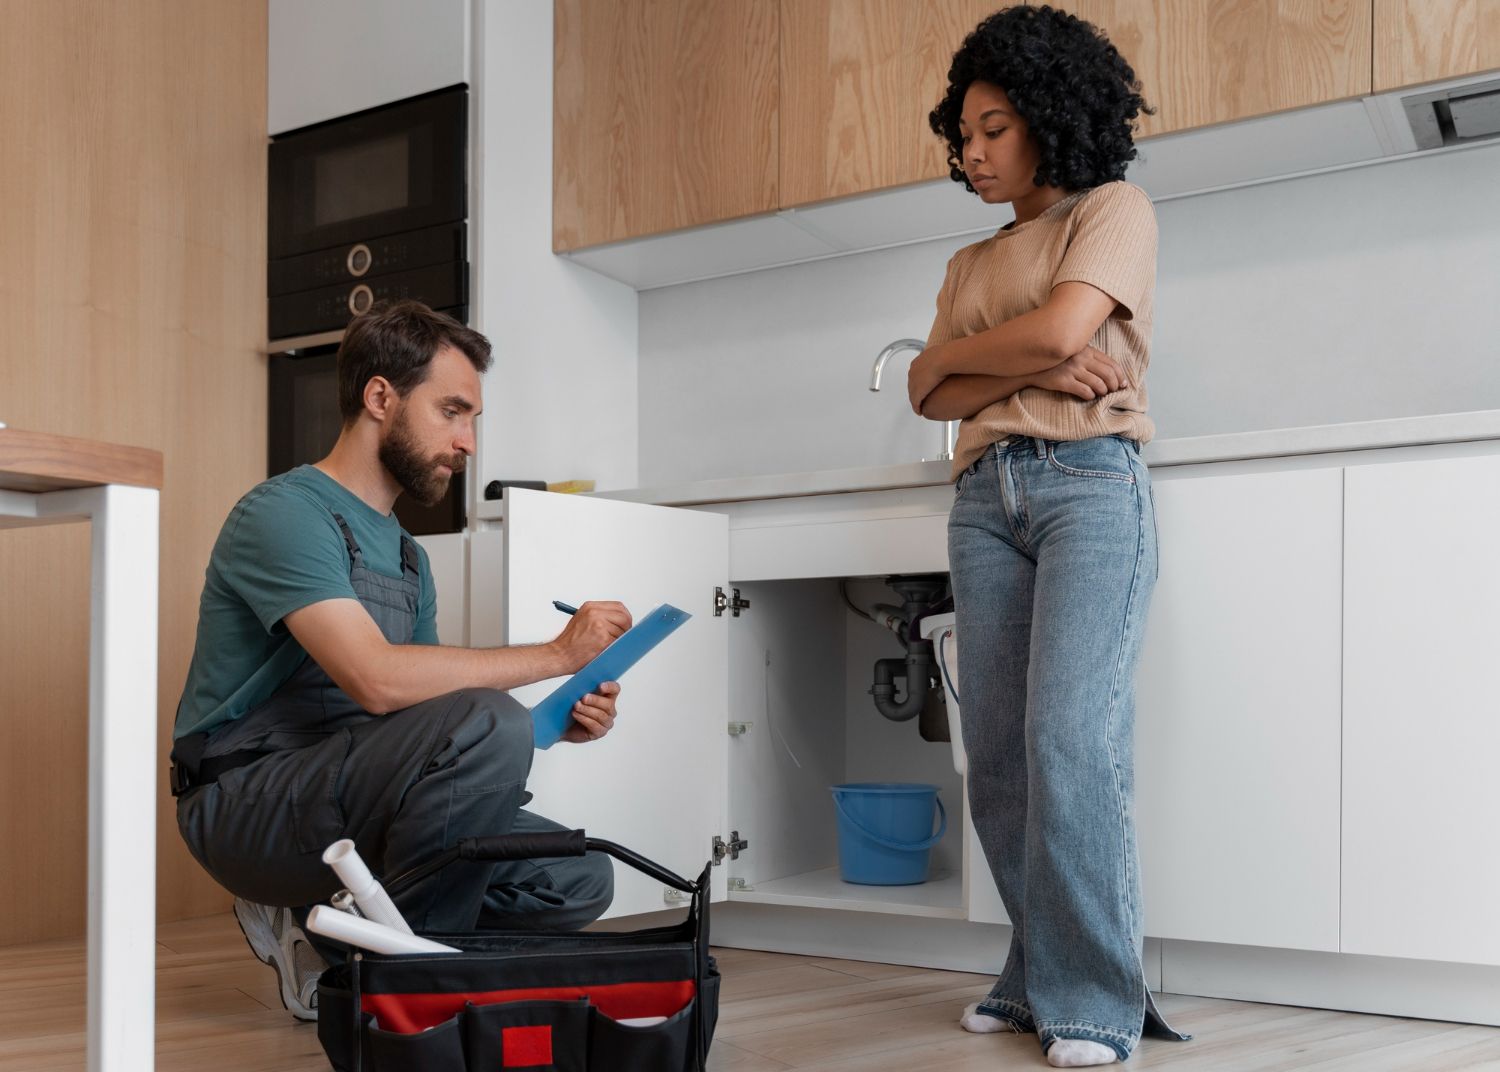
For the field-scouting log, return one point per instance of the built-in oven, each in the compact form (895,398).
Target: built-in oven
(361,208)
(369,206)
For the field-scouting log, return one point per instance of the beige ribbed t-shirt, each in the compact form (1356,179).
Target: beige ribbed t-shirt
(1104,236)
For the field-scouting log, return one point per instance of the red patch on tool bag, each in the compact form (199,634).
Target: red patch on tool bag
(526,1047)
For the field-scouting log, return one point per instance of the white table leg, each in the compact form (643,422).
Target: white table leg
(122,772)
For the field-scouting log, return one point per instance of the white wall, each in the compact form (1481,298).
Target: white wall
(1349,296)
(560,401)
(387,50)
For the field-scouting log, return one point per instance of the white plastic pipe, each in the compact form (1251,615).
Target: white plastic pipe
(373,901)
(367,934)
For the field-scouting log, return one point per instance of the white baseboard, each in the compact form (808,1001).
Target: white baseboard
(1388,986)
(951,944)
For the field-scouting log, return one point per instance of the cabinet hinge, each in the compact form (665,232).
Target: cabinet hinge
(732,849)
(732,603)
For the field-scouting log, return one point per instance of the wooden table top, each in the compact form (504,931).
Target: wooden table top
(40,461)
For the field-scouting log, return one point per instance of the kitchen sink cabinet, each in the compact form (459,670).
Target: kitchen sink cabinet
(738,725)
(1421,732)
(1237,726)
(1427,40)
(1313,730)
(1237,723)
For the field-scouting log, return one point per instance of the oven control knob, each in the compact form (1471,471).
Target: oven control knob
(360,299)
(359,260)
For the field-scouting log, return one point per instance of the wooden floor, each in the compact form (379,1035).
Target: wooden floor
(217,1009)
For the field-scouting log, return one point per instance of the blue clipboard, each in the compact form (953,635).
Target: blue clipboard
(552,717)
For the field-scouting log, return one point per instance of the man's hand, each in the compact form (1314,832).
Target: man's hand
(595,627)
(594,715)
(923,376)
(1089,374)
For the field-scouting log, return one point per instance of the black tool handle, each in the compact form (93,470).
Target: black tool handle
(533,847)
(524,846)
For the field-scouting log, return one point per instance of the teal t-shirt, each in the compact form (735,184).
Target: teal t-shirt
(280,550)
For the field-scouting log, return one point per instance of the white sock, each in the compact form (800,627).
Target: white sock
(1074,1053)
(982,1023)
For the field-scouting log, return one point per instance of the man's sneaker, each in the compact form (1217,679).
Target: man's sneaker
(275,938)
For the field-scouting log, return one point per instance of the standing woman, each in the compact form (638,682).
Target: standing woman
(1041,344)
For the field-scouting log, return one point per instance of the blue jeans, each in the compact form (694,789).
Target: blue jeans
(1052,547)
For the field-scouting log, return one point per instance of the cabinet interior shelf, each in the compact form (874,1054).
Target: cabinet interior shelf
(940,897)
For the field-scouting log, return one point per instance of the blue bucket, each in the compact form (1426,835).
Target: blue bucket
(885,831)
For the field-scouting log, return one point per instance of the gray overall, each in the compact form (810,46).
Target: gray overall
(403,786)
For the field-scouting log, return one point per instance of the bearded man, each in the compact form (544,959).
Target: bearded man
(319,704)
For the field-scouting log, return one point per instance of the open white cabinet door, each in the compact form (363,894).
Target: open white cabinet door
(658,783)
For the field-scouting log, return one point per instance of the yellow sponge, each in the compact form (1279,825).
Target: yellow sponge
(569,487)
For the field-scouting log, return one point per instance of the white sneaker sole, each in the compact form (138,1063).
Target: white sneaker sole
(267,949)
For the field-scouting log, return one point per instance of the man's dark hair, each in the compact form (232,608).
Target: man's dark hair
(1076,92)
(398,340)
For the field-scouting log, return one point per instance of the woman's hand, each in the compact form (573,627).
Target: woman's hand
(1089,374)
(594,715)
(922,378)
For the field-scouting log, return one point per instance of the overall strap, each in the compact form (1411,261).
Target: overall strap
(356,558)
(411,563)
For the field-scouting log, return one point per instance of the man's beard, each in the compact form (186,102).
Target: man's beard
(418,476)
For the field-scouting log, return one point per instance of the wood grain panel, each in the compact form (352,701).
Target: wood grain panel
(858,79)
(1425,40)
(132,303)
(40,461)
(664,116)
(1201,64)
(860,76)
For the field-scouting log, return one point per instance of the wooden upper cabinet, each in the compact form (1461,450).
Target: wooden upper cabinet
(675,113)
(1202,63)
(664,115)
(858,79)
(1425,40)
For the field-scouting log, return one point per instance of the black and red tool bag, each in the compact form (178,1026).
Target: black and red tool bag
(543,1002)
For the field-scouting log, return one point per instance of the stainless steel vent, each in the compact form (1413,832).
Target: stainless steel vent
(1454,116)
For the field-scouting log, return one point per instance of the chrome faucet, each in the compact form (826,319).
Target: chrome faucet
(917,346)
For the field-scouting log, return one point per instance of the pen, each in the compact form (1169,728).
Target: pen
(564,607)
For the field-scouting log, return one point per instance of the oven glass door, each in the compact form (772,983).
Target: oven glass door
(391,169)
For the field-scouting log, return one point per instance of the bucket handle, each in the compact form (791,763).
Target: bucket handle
(899,846)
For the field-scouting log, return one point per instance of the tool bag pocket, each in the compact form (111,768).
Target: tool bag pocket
(617,1047)
(395,1051)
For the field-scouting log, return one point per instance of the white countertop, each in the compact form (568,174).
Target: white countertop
(1273,443)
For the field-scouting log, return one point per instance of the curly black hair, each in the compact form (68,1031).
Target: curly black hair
(1076,92)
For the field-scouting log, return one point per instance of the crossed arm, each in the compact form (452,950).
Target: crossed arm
(1047,347)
